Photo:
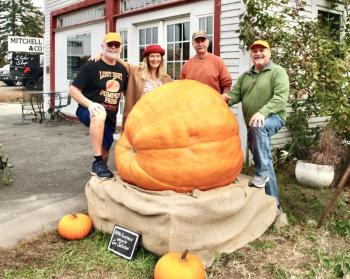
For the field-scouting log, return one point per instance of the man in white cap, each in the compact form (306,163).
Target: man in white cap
(263,91)
(206,67)
(97,89)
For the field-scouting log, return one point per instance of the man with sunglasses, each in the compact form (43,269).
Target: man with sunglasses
(97,89)
(206,67)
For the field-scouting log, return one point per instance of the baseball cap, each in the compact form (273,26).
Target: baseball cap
(199,34)
(153,49)
(260,43)
(112,37)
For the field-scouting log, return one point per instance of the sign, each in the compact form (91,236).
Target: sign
(131,5)
(124,242)
(25,44)
(25,60)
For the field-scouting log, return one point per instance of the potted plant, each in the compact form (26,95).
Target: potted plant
(318,171)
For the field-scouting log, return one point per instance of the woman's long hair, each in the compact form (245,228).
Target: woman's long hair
(145,69)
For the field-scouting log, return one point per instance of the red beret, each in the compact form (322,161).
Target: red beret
(153,49)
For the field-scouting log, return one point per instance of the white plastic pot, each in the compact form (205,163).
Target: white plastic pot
(314,175)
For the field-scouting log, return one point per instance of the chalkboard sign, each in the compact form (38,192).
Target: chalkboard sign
(124,242)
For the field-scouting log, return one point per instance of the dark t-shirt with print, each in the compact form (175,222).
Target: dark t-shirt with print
(103,84)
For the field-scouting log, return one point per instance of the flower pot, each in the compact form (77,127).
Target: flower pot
(314,175)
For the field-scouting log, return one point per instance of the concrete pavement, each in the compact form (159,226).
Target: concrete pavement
(51,166)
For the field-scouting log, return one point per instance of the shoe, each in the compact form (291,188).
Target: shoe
(100,169)
(281,219)
(258,181)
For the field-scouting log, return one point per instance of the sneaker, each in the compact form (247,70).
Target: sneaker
(281,219)
(100,169)
(258,181)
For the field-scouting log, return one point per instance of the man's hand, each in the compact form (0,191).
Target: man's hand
(257,120)
(226,97)
(95,108)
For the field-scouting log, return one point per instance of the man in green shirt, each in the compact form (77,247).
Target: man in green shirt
(263,91)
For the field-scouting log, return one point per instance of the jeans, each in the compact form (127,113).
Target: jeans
(259,142)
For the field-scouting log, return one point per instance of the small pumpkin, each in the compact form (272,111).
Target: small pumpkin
(180,136)
(179,266)
(74,226)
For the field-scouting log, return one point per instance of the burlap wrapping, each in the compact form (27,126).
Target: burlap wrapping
(207,222)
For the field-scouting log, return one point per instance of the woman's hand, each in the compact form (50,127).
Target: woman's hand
(95,57)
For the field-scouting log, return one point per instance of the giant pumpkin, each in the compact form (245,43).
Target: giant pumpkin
(181,136)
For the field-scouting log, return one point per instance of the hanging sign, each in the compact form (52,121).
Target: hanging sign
(25,44)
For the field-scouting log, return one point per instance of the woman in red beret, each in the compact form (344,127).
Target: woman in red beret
(152,68)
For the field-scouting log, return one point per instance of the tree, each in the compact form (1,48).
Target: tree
(19,18)
(316,59)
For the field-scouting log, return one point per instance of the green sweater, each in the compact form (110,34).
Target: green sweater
(266,92)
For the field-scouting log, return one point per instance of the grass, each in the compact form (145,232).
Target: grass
(297,251)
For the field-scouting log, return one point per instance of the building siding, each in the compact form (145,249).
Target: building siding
(50,6)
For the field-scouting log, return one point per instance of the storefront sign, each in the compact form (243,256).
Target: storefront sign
(25,44)
(82,16)
(131,5)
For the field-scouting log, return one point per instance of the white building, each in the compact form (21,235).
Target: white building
(74,30)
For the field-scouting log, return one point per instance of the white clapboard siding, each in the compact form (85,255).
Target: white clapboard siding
(50,6)
(230,51)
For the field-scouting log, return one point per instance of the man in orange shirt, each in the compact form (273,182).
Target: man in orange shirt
(206,67)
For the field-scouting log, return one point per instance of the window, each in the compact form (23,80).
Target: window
(332,21)
(147,36)
(124,53)
(78,52)
(206,24)
(82,16)
(178,47)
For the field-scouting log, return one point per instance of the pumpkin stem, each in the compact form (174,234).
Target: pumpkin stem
(74,215)
(184,255)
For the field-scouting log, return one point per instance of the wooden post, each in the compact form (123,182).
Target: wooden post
(341,185)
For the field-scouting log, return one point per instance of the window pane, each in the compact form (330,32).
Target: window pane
(142,39)
(186,51)
(170,33)
(125,55)
(178,49)
(78,52)
(170,69)
(178,31)
(202,23)
(210,25)
(148,36)
(177,70)
(186,31)
(155,35)
(140,53)
(170,52)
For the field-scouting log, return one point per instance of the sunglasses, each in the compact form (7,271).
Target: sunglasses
(113,44)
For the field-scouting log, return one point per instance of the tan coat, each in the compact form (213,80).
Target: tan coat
(135,89)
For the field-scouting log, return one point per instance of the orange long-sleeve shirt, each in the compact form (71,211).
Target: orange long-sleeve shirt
(211,70)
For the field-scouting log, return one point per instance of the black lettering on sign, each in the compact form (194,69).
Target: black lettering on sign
(124,242)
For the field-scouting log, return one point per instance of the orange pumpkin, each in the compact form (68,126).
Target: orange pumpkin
(74,226)
(180,136)
(179,266)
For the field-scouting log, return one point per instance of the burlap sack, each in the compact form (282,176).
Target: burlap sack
(207,222)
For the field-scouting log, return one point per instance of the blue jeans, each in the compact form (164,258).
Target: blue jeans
(259,142)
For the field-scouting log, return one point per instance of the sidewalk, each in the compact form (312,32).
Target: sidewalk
(51,166)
